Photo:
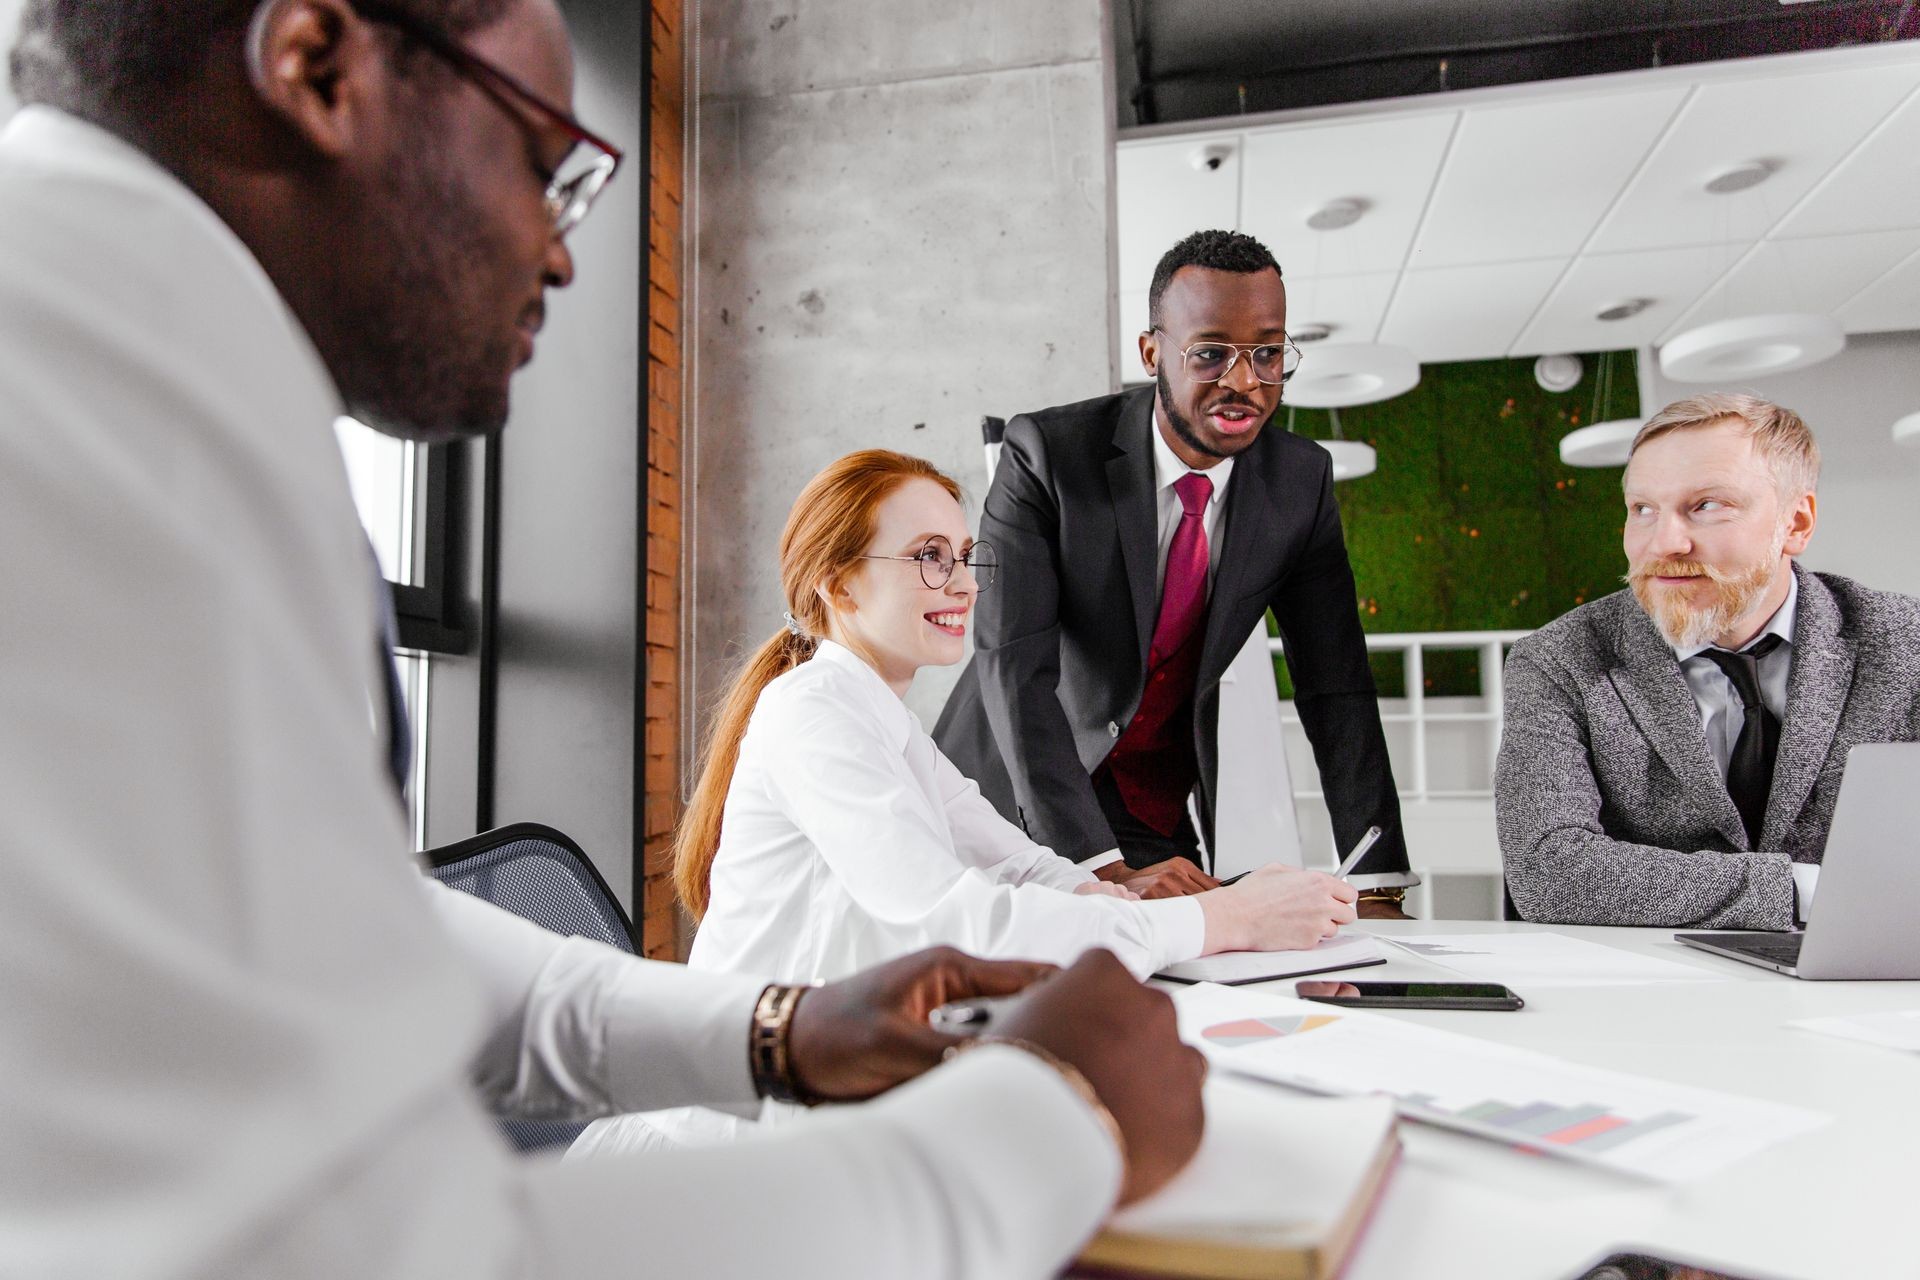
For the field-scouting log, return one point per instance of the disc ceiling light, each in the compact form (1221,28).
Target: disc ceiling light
(1756,345)
(1750,346)
(1341,374)
(1907,431)
(1600,444)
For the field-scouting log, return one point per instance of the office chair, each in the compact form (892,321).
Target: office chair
(540,875)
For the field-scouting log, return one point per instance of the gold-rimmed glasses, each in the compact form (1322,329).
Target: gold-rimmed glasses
(1272,362)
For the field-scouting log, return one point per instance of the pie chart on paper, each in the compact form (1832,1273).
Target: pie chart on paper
(1245,1031)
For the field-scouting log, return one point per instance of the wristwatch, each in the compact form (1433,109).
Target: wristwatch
(1396,894)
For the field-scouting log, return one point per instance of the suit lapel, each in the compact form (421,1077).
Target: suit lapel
(1816,693)
(1130,481)
(1249,527)
(1649,682)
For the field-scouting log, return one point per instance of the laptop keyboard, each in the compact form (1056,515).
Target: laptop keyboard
(1781,948)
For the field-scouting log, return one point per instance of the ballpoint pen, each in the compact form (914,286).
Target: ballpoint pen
(1352,860)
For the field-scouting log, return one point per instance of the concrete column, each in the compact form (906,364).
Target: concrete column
(904,222)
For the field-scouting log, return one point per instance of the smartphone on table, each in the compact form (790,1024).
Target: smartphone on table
(1411,995)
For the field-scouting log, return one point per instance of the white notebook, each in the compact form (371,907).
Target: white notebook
(1233,968)
(1280,1189)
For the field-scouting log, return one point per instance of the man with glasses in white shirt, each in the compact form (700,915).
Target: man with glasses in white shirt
(243,1035)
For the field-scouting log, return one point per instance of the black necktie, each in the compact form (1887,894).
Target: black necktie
(1750,771)
(399,732)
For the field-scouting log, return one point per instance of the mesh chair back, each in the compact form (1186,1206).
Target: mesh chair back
(540,875)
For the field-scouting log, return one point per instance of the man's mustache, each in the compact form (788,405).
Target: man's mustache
(1678,569)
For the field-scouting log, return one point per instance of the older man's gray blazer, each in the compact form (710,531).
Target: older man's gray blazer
(1609,805)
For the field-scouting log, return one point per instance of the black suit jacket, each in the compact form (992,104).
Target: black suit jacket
(1061,640)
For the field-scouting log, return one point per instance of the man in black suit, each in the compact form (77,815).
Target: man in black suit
(1142,537)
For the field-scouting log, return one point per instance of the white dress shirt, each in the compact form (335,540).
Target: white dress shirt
(243,1035)
(848,839)
(1723,714)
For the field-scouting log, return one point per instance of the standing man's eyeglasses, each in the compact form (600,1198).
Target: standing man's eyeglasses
(936,561)
(1272,363)
(589,163)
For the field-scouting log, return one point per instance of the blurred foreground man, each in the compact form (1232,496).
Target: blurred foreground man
(1672,753)
(243,1036)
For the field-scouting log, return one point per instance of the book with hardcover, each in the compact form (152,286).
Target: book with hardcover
(1280,1190)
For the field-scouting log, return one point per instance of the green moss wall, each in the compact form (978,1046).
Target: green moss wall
(1472,522)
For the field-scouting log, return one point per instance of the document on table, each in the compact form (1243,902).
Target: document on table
(1897,1030)
(1546,960)
(1517,1097)
(1342,951)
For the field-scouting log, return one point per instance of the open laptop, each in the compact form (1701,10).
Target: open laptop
(1863,920)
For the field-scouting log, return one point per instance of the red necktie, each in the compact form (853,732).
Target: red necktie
(1183,596)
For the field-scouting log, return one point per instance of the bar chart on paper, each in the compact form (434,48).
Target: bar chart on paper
(1519,1098)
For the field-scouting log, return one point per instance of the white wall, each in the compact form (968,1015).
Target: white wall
(1869,510)
(904,222)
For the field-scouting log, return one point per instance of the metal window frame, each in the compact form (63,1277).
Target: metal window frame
(431,616)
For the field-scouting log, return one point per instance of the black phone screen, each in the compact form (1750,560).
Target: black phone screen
(1411,995)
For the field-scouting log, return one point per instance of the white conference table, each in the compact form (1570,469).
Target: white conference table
(1838,1202)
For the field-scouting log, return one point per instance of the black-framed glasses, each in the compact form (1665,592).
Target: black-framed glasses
(1272,363)
(936,561)
(590,161)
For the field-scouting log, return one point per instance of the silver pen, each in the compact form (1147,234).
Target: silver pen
(1367,842)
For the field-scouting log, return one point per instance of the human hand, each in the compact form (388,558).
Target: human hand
(1175,878)
(867,1033)
(1277,908)
(1105,889)
(1124,1039)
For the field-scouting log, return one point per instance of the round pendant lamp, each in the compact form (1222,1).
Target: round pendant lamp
(1907,431)
(1604,444)
(1351,459)
(1339,375)
(1751,346)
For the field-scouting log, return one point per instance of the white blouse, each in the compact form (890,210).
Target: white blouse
(848,839)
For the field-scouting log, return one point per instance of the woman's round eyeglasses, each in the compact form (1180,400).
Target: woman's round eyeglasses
(936,561)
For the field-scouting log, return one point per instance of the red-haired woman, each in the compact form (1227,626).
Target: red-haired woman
(827,831)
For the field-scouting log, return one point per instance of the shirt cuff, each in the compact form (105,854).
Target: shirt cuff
(678,1037)
(1179,929)
(1100,860)
(1385,880)
(1806,877)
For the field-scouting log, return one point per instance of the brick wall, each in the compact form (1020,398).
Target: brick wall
(666,144)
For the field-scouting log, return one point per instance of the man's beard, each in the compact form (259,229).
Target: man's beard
(422,360)
(1184,428)
(1687,626)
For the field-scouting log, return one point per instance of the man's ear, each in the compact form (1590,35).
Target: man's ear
(315,65)
(1150,352)
(1800,526)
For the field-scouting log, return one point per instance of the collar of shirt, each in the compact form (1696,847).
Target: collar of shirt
(1781,624)
(897,718)
(1168,468)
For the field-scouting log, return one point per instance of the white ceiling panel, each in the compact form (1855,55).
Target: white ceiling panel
(1578,154)
(1164,197)
(1387,164)
(1874,189)
(1352,305)
(1891,302)
(1669,280)
(1800,124)
(1816,274)
(1467,313)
